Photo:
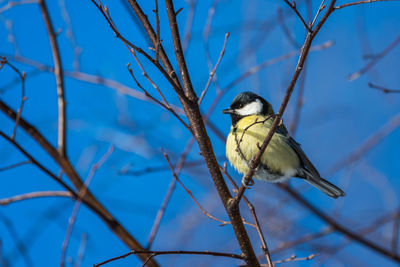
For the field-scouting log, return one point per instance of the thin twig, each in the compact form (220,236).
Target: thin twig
(180,58)
(212,73)
(306,238)
(384,89)
(362,2)
(58,72)
(20,246)
(190,193)
(81,250)
(386,218)
(161,168)
(321,7)
(207,30)
(285,29)
(395,234)
(70,35)
(253,70)
(22,77)
(179,252)
(359,238)
(35,162)
(367,145)
(15,165)
(294,258)
(10,4)
(166,106)
(82,192)
(6,201)
(158,43)
(144,73)
(293,6)
(206,36)
(171,188)
(94,79)
(170,76)
(355,75)
(187,36)
(75,179)
(299,103)
(253,213)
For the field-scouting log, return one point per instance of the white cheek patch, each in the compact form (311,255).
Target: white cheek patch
(251,108)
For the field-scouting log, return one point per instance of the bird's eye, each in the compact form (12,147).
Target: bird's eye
(240,106)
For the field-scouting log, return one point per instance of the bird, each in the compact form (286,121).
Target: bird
(252,117)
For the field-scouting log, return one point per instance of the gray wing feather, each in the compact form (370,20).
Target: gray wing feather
(310,173)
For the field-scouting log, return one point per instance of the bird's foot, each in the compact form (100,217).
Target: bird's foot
(248,184)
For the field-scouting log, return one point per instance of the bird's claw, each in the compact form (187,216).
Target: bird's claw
(248,184)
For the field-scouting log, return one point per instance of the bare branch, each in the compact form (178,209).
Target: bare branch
(82,192)
(190,193)
(368,144)
(299,103)
(179,252)
(70,35)
(81,250)
(171,188)
(294,258)
(288,34)
(384,89)
(69,171)
(359,238)
(6,201)
(15,165)
(10,4)
(144,73)
(355,75)
(187,83)
(22,76)
(306,238)
(94,79)
(294,8)
(58,72)
(164,58)
(395,234)
(253,70)
(362,2)
(158,43)
(35,162)
(166,106)
(187,36)
(253,213)
(170,75)
(212,73)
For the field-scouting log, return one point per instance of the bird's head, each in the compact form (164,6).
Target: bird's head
(246,104)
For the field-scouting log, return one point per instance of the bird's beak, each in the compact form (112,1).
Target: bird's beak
(228,111)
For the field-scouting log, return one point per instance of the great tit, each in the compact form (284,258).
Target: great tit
(252,118)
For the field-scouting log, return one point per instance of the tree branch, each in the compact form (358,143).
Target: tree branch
(338,227)
(58,72)
(6,201)
(70,172)
(384,89)
(180,252)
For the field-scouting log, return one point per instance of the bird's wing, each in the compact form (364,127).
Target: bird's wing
(303,158)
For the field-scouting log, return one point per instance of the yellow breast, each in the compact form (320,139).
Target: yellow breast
(247,136)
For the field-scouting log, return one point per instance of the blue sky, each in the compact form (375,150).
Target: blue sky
(338,116)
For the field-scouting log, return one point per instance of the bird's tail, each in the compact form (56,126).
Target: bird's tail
(325,186)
